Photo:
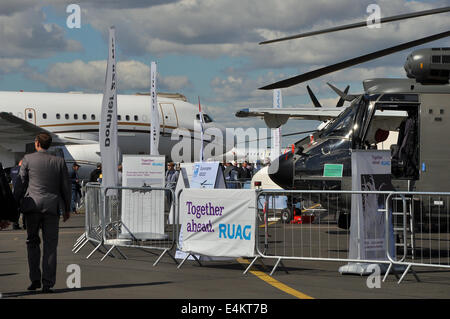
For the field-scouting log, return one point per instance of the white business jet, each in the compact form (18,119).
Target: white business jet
(73,121)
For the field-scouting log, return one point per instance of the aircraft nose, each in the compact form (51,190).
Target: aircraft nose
(281,170)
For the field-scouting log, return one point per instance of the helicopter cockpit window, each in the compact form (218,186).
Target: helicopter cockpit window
(342,125)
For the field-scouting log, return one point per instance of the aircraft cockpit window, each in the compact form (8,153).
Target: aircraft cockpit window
(206,118)
(342,125)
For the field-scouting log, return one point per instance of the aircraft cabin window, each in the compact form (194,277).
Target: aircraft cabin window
(58,116)
(84,116)
(119,117)
(44,115)
(66,116)
(30,115)
(136,118)
(75,116)
(92,116)
(127,117)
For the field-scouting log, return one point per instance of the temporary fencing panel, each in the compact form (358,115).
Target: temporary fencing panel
(421,229)
(150,219)
(277,224)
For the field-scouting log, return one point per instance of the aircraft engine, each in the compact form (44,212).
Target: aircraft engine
(429,65)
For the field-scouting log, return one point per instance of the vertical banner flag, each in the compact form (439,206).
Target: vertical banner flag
(108,119)
(154,125)
(201,130)
(276,132)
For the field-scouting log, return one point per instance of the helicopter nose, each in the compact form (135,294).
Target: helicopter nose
(281,170)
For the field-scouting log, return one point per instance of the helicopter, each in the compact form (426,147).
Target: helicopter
(416,109)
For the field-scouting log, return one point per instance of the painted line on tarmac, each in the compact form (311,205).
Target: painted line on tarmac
(271,223)
(275,283)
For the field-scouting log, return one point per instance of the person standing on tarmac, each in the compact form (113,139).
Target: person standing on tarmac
(8,211)
(13,173)
(44,185)
(95,174)
(76,187)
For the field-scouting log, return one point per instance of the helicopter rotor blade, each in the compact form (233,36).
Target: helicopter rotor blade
(313,97)
(361,24)
(341,100)
(344,96)
(351,62)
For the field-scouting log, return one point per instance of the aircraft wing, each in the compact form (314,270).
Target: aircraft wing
(276,117)
(16,133)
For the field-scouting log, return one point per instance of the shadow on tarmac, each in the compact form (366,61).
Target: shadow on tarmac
(63,290)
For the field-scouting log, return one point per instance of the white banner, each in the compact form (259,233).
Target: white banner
(276,132)
(371,171)
(143,212)
(108,119)
(217,222)
(154,114)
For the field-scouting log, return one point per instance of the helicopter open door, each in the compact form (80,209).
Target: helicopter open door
(405,147)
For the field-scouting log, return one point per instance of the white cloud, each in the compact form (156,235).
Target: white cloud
(24,34)
(11,65)
(216,28)
(90,77)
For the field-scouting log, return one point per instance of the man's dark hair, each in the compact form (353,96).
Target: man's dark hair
(44,139)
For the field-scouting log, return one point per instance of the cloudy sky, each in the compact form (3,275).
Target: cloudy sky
(206,48)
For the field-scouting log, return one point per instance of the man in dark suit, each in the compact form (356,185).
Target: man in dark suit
(44,184)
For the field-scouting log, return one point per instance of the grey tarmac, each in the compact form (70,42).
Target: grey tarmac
(136,278)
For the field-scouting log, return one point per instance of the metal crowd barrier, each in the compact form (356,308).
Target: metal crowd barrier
(135,217)
(311,232)
(290,225)
(421,229)
(138,217)
(93,224)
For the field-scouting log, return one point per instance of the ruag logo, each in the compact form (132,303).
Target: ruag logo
(233,231)
(157,164)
